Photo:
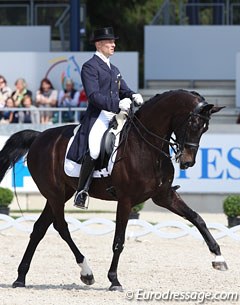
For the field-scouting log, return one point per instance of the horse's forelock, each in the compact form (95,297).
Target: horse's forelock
(198,95)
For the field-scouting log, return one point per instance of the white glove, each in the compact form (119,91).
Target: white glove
(125,104)
(138,99)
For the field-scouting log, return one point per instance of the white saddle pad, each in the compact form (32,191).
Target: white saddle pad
(72,168)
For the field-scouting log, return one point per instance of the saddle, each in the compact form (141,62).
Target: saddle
(108,143)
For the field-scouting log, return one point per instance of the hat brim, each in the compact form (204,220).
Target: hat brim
(92,40)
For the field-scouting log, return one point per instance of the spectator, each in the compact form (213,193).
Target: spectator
(69,97)
(30,116)
(9,116)
(46,96)
(5,91)
(20,92)
(83,102)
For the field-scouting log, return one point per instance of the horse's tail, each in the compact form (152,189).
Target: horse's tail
(15,148)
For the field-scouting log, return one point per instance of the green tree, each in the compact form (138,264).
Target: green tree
(127,17)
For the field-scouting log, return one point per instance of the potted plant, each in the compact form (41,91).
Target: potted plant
(6,198)
(231,207)
(134,214)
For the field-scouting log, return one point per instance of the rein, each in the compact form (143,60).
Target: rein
(172,144)
(176,146)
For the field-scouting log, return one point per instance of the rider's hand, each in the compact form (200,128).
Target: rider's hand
(125,104)
(138,99)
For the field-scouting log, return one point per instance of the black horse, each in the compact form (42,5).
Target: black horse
(144,170)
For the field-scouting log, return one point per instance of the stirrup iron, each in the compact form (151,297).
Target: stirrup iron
(84,203)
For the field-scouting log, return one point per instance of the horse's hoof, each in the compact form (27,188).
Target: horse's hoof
(222,266)
(88,279)
(116,288)
(17,284)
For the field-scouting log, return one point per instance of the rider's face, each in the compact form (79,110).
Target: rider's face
(106,47)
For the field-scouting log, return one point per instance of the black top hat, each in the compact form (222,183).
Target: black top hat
(103,34)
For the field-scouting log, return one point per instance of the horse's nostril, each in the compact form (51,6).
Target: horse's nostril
(186,165)
(183,166)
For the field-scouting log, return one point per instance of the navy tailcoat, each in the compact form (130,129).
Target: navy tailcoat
(104,88)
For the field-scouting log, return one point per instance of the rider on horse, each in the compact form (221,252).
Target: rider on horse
(107,94)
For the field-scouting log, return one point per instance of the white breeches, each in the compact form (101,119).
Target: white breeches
(97,131)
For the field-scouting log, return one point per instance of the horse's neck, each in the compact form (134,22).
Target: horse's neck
(157,119)
(166,111)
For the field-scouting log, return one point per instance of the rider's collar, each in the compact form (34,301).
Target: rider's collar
(103,57)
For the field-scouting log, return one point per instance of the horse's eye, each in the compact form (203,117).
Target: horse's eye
(194,126)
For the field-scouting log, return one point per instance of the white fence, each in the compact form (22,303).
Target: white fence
(136,228)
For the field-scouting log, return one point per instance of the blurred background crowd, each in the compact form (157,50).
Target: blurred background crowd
(21,105)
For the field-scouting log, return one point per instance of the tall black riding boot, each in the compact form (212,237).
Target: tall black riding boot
(84,182)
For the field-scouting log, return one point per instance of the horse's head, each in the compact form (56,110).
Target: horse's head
(184,113)
(189,134)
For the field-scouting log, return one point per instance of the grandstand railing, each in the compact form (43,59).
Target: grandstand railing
(58,110)
(171,13)
(30,12)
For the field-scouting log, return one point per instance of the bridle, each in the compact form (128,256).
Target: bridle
(176,145)
(195,113)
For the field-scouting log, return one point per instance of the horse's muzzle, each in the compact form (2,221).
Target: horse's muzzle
(187,164)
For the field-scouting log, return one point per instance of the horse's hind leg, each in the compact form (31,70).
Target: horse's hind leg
(179,207)
(39,230)
(62,227)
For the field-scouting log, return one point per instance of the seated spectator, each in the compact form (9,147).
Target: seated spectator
(31,116)
(46,96)
(83,103)
(69,97)
(5,91)
(9,116)
(20,92)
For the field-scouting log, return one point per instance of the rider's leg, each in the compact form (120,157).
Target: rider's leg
(88,165)
(84,182)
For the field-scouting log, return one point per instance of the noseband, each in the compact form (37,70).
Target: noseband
(195,113)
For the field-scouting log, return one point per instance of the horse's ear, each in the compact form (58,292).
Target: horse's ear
(216,109)
(207,107)
(211,108)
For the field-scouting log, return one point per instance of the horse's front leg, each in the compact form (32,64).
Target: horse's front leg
(61,226)
(179,207)
(123,211)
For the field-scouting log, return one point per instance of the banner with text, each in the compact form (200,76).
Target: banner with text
(217,168)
